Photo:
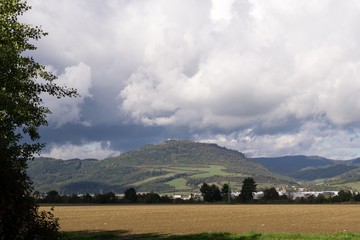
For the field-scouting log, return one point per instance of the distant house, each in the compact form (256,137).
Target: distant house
(184,197)
(258,195)
(307,194)
(233,195)
(298,194)
(177,196)
(330,193)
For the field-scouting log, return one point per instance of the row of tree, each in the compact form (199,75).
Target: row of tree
(130,196)
(212,193)
(342,197)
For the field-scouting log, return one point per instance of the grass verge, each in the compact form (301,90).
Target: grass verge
(205,236)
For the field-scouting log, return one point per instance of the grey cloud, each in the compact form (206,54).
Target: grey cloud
(123,137)
(263,77)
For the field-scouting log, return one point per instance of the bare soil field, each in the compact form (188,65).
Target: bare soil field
(187,219)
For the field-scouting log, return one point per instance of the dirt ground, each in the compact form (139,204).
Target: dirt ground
(186,219)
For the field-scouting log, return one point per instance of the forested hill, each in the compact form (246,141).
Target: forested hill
(289,164)
(182,153)
(169,166)
(313,167)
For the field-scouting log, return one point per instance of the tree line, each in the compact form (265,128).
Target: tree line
(210,194)
(130,196)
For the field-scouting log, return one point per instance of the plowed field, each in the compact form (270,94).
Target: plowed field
(185,219)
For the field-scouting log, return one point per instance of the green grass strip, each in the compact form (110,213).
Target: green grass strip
(207,236)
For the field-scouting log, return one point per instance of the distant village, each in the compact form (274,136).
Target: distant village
(295,192)
(291,194)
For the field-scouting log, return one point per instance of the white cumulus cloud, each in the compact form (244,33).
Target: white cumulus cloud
(95,150)
(68,110)
(214,67)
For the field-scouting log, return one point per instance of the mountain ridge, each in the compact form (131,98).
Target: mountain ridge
(181,165)
(175,164)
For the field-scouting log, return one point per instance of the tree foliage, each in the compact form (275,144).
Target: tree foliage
(210,193)
(248,187)
(225,189)
(343,196)
(226,193)
(130,195)
(109,197)
(271,194)
(150,197)
(22,112)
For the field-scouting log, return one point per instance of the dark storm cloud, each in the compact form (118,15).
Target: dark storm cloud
(121,138)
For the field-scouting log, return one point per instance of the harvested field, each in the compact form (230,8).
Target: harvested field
(185,219)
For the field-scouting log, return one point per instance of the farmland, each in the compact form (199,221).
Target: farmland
(192,219)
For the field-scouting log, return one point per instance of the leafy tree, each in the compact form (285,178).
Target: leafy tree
(225,191)
(87,198)
(205,192)
(111,197)
(53,197)
(248,187)
(271,194)
(22,112)
(166,199)
(150,197)
(130,195)
(284,197)
(320,199)
(73,198)
(310,199)
(357,197)
(216,194)
(105,198)
(210,193)
(343,196)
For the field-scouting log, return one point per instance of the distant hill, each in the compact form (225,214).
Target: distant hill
(355,162)
(170,166)
(308,167)
(289,164)
(50,173)
(182,166)
(322,172)
(349,178)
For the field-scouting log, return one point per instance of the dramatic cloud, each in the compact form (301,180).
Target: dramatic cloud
(94,149)
(313,138)
(68,110)
(246,74)
(264,77)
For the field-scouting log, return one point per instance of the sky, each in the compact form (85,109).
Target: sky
(267,78)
